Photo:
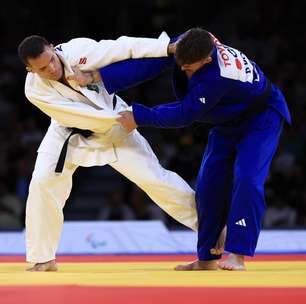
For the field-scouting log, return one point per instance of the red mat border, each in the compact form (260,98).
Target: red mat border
(148,295)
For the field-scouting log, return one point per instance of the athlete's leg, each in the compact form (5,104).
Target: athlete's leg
(213,196)
(137,162)
(48,193)
(254,155)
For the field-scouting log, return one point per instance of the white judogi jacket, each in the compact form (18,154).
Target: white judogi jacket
(87,107)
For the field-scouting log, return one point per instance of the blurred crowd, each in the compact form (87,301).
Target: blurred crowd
(269,32)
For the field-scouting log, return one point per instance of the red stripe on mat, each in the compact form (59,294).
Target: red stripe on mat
(165,295)
(153,258)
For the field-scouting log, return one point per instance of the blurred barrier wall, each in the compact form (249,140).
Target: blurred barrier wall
(143,237)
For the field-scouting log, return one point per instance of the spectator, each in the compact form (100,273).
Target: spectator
(116,208)
(11,209)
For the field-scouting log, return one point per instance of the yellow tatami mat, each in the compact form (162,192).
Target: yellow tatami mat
(158,274)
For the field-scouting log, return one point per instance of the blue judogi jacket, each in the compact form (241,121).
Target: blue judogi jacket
(220,92)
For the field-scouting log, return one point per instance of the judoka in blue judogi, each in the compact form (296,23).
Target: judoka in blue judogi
(218,85)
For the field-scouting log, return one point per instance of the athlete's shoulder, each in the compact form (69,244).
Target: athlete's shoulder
(211,72)
(75,44)
(35,85)
(76,50)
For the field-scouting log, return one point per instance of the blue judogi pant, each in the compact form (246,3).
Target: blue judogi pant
(230,184)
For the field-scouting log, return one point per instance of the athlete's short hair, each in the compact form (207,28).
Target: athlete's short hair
(31,47)
(195,45)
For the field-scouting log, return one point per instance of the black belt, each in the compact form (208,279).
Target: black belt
(86,133)
(61,160)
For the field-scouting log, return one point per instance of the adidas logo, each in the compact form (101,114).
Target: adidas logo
(241,222)
(202,99)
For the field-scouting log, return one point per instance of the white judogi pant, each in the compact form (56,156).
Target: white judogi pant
(135,160)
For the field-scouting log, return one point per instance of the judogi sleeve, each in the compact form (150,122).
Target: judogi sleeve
(89,54)
(129,73)
(193,107)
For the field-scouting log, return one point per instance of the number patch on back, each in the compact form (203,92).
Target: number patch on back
(233,63)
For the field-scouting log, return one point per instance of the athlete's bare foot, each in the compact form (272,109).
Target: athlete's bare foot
(219,247)
(233,262)
(198,265)
(47,266)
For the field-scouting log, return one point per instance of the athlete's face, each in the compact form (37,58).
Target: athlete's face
(47,65)
(191,68)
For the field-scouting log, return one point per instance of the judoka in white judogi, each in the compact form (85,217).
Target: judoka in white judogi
(91,108)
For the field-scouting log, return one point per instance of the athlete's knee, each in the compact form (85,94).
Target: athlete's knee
(154,178)
(248,182)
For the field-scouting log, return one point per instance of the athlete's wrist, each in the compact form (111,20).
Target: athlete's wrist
(171,48)
(95,77)
(91,78)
